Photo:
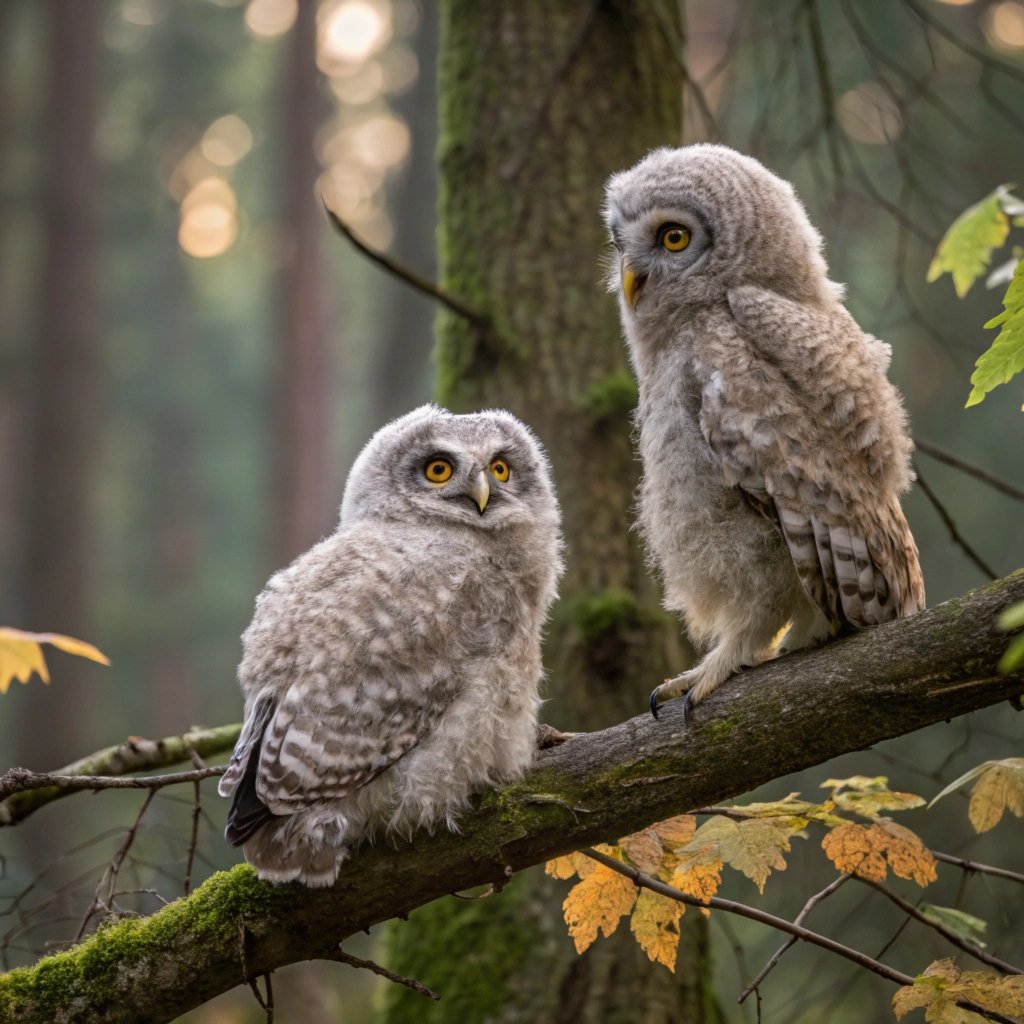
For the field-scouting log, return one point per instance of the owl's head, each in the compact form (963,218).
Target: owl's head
(690,223)
(485,470)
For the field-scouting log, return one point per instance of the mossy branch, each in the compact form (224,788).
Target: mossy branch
(776,719)
(134,755)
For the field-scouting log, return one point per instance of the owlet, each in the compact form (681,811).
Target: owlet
(775,450)
(394,668)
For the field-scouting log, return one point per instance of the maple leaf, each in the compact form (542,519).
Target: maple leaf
(596,904)
(867,797)
(1004,358)
(942,984)
(655,924)
(21,654)
(700,878)
(966,248)
(644,850)
(960,923)
(1000,787)
(869,850)
(754,846)
(576,863)
(677,831)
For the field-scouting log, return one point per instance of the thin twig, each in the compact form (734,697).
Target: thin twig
(910,910)
(410,277)
(134,755)
(791,941)
(110,875)
(17,780)
(763,917)
(826,90)
(982,869)
(355,961)
(193,842)
(955,535)
(978,472)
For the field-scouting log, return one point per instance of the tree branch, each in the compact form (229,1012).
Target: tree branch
(845,696)
(134,755)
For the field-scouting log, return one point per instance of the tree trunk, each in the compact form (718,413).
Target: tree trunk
(539,103)
(306,487)
(64,403)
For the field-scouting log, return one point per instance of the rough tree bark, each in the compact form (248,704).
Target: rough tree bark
(779,718)
(539,103)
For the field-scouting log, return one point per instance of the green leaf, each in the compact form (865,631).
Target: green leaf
(1013,657)
(962,925)
(1005,359)
(1012,617)
(966,249)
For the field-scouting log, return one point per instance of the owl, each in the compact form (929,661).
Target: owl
(774,448)
(394,668)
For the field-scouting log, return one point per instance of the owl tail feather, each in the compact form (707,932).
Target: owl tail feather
(247,812)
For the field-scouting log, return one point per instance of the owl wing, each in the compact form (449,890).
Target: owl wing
(795,424)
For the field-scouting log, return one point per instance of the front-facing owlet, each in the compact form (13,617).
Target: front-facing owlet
(775,450)
(394,668)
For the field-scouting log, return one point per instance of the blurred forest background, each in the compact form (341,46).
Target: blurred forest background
(190,359)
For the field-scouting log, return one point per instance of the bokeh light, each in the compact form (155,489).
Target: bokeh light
(209,219)
(869,114)
(354,30)
(226,141)
(1004,25)
(267,19)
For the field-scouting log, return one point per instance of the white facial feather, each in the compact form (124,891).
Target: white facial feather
(774,448)
(394,668)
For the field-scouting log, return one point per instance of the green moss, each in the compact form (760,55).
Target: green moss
(473,949)
(612,398)
(612,612)
(94,969)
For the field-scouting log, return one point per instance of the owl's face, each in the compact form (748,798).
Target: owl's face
(484,470)
(688,224)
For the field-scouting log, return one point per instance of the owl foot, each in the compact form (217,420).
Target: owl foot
(679,686)
(548,736)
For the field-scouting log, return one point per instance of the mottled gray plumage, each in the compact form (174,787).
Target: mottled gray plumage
(775,450)
(394,667)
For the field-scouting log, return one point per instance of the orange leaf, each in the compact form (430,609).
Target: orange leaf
(597,903)
(655,924)
(644,850)
(868,850)
(677,831)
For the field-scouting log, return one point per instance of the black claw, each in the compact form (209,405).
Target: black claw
(687,703)
(654,703)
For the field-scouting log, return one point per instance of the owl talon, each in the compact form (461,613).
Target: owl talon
(654,702)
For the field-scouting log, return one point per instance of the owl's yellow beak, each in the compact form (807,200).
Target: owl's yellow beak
(630,284)
(480,490)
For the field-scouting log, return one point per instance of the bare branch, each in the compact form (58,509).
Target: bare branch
(954,534)
(978,472)
(135,755)
(355,961)
(970,948)
(18,780)
(792,940)
(983,869)
(410,277)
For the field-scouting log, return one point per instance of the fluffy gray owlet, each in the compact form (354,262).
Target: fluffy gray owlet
(394,668)
(775,450)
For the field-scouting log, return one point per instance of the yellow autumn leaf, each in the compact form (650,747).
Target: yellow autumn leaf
(21,654)
(699,878)
(938,989)
(870,850)
(655,925)
(999,789)
(868,797)
(754,846)
(576,863)
(596,904)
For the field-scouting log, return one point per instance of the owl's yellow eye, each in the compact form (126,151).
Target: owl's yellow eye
(673,237)
(500,470)
(438,471)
